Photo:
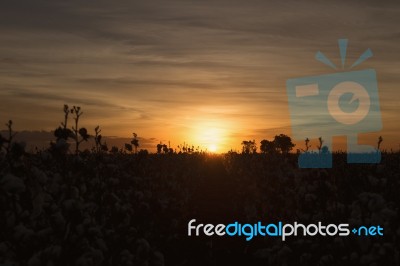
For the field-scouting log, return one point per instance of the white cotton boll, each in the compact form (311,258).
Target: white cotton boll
(262,253)
(354,256)
(373,181)
(46,156)
(326,260)
(12,184)
(44,232)
(90,206)
(363,197)
(87,221)
(95,231)
(84,261)
(74,193)
(126,257)
(22,233)
(388,213)
(39,175)
(157,259)
(142,249)
(113,181)
(366,259)
(302,216)
(284,251)
(376,218)
(53,207)
(163,203)
(80,229)
(10,219)
(115,197)
(328,185)
(311,188)
(54,251)
(117,207)
(97,256)
(380,168)
(148,194)
(37,204)
(341,207)
(35,260)
(4,249)
(318,216)
(376,203)
(126,208)
(339,241)
(59,219)
(302,190)
(364,244)
(309,197)
(305,257)
(57,178)
(82,189)
(139,195)
(398,231)
(69,204)
(101,244)
(382,251)
(54,188)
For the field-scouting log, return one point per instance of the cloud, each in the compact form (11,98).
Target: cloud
(144,65)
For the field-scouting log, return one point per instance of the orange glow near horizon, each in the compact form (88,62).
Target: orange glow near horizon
(210,135)
(180,83)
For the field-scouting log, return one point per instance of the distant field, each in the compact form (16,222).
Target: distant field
(127,209)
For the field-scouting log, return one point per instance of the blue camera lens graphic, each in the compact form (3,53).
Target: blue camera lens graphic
(344,103)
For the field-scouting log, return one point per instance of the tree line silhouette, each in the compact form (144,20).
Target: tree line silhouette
(66,134)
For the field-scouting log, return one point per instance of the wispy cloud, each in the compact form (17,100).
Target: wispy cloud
(160,67)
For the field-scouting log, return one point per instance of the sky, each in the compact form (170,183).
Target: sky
(207,73)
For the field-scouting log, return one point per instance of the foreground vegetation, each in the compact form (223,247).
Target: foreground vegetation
(63,207)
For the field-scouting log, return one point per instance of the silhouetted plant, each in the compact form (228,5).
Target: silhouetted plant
(114,149)
(267,146)
(325,150)
(100,146)
(165,148)
(159,148)
(82,132)
(380,139)
(135,142)
(249,146)
(128,147)
(2,142)
(13,150)
(307,144)
(143,153)
(6,143)
(63,132)
(319,146)
(283,143)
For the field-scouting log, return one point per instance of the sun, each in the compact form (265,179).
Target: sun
(212,148)
(209,136)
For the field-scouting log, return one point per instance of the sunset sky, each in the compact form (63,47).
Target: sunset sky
(209,73)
